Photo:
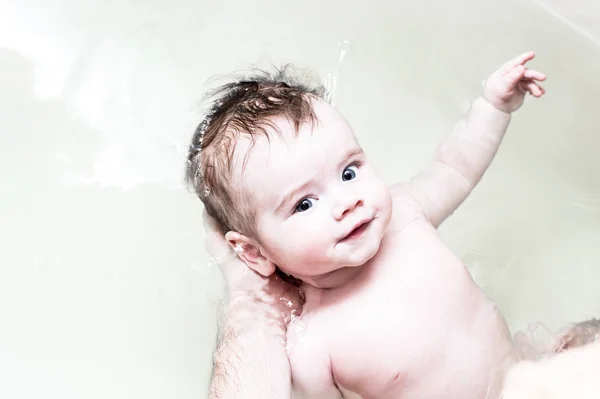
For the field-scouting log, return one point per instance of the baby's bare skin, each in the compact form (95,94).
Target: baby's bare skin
(390,311)
(413,324)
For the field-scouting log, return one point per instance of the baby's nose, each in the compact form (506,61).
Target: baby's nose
(346,205)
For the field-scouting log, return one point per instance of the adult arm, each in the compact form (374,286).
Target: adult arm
(250,359)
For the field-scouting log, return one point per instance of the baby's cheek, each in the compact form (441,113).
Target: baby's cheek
(379,195)
(308,245)
(296,248)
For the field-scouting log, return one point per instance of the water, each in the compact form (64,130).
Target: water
(105,290)
(331,79)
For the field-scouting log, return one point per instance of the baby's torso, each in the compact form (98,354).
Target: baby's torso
(414,325)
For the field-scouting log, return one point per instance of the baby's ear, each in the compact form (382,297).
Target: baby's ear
(249,251)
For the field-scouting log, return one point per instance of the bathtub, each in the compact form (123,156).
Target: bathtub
(105,288)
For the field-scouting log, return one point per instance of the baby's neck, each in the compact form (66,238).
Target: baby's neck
(333,287)
(336,279)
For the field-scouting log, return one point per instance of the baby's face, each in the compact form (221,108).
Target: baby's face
(321,209)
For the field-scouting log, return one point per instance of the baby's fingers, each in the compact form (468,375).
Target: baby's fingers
(520,59)
(533,88)
(534,75)
(514,74)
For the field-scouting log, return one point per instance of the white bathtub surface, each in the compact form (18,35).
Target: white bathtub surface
(105,290)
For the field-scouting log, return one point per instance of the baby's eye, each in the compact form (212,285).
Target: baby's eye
(304,205)
(349,173)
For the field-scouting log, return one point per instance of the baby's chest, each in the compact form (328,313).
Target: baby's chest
(388,328)
(386,343)
(397,323)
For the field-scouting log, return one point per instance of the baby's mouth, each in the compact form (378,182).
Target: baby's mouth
(357,231)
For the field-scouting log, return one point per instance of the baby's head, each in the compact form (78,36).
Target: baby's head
(282,173)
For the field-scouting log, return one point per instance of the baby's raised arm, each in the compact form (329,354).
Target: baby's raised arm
(462,159)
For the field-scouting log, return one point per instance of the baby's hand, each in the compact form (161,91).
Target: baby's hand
(505,89)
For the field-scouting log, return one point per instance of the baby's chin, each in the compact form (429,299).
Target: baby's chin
(363,255)
(341,268)
(342,274)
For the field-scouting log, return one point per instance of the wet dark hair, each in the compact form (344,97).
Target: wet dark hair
(245,106)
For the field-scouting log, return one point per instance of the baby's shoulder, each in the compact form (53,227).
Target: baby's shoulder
(306,338)
(310,360)
(406,209)
(321,314)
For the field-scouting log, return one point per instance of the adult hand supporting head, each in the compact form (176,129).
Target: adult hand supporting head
(250,359)
(241,280)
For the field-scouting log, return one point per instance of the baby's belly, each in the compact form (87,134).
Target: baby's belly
(421,330)
(420,358)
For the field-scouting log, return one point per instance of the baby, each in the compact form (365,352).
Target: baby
(390,311)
